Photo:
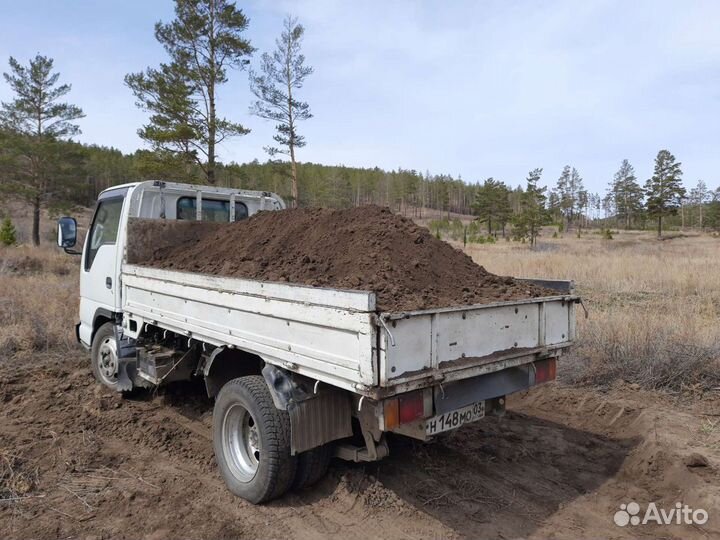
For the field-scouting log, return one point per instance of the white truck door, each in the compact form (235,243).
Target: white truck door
(99,287)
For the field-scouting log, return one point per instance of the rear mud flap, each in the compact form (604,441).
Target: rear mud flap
(324,418)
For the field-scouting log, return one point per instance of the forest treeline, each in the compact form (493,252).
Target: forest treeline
(89,169)
(494,202)
(334,186)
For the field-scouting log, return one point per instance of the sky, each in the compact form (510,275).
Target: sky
(474,89)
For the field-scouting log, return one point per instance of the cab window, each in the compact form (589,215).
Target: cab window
(104,228)
(212,210)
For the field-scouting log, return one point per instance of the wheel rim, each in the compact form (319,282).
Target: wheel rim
(241,442)
(107,361)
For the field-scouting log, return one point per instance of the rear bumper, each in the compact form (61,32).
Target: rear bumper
(468,368)
(455,395)
(452,397)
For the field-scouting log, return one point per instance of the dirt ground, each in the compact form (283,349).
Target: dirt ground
(77,461)
(365,248)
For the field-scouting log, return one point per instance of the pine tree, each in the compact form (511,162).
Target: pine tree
(626,193)
(578,196)
(282,74)
(553,204)
(698,197)
(533,214)
(33,163)
(566,202)
(572,195)
(664,190)
(173,131)
(492,204)
(8,234)
(582,204)
(203,41)
(595,205)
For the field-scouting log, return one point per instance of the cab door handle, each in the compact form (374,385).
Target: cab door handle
(108,282)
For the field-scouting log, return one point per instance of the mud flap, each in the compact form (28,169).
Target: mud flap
(322,419)
(124,382)
(127,361)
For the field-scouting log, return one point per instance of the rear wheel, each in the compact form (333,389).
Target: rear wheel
(251,438)
(312,466)
(104,356)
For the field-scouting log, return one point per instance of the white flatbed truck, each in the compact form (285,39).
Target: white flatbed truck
(299,374)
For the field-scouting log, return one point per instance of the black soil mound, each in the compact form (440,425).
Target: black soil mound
(365,248)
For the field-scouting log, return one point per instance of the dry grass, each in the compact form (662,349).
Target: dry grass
(17,476)
(38,300)
(654,306)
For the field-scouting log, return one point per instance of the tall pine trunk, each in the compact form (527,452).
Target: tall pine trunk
(682,216)
(701,215)
(294,179)
(212,125)
(36,221)
(291,138)
(212,131)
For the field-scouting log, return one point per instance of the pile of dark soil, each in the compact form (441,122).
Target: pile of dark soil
(365,248)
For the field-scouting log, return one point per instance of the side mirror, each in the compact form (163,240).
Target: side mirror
(66,232)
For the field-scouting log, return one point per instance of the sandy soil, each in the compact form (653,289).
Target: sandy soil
(77,461)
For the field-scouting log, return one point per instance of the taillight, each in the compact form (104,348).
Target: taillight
(412,406)
(392,415)
(545,370)
(403,409)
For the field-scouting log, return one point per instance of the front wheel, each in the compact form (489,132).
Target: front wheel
(251,438)
(104,356)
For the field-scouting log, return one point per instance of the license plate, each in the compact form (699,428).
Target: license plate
(455,419)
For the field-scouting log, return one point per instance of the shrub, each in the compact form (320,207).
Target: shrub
(8,234)
(441,227)
(456,229)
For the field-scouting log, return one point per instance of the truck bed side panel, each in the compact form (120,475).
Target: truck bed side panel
(322,333)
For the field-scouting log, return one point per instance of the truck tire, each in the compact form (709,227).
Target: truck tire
(251,438)
(312,466)
(104,356)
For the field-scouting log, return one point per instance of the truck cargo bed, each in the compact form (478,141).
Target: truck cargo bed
(337,336)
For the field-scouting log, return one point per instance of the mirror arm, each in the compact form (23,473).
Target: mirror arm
(72,251)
